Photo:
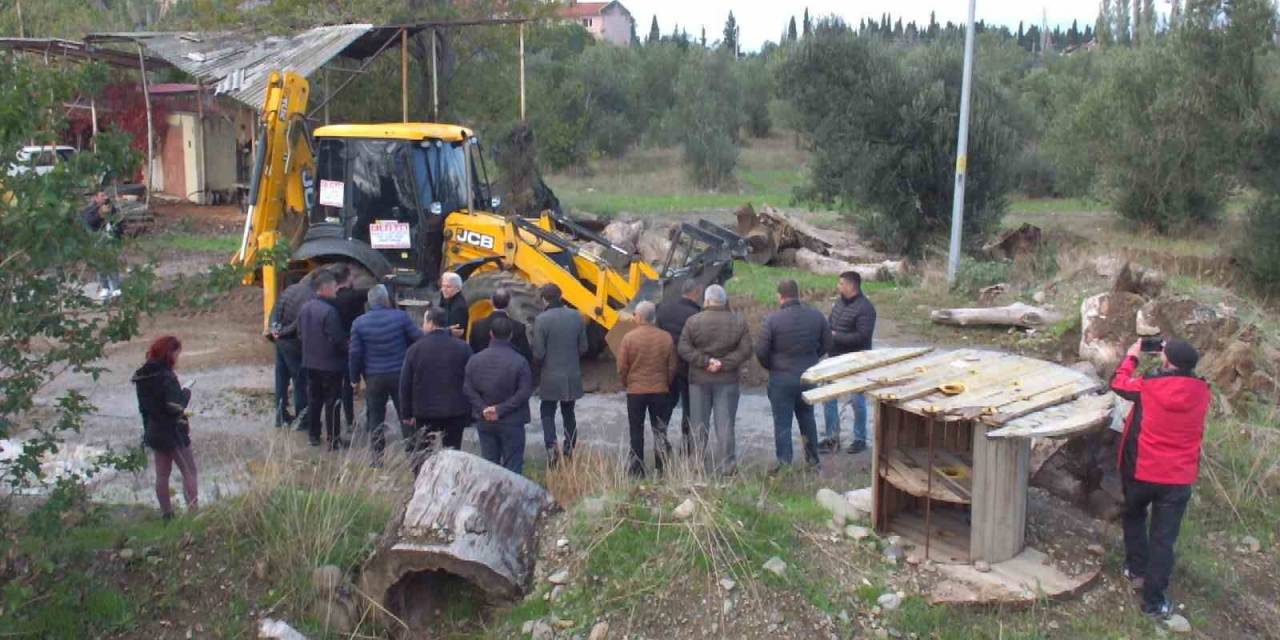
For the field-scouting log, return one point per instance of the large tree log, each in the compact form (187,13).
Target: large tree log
(654,245)
(1014,315)
(467,520)
(624,235)
(820,264)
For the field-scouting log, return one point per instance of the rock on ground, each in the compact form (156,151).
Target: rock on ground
(776,566)
(326,578)
(599,632)
(838,506)
(1178,624)
(560,577)
(685,510)
(889,601)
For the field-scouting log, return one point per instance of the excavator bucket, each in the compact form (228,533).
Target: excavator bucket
(702,253)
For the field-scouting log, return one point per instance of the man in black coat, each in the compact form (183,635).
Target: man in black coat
(431,393)
(454,304)
(324,358)
(350,302)
(853,321)
(498,385)
(671,318)
(284,333)
(793,339)
(479,339)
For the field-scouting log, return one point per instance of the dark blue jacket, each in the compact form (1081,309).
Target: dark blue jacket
(794,338)
(379,341)
(324,343)
(432,378)
(499,376)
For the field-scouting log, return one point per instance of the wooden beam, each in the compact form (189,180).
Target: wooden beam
(404,75)
(521,27)
(435,84)
(857,362)
(146,100)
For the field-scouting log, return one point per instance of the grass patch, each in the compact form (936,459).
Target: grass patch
(760,282)
(190,243)
(655,181)
(1054,206)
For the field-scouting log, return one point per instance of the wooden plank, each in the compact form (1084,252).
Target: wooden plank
(1077,416)
(1025,579)
(982,388)
(857,362)
(1022,393)
(999,497)
(1040,401)
(997,385)
(952,473)
(893,375)
(948,534)
(927,384)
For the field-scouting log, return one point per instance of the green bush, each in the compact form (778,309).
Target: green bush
(883,123)
(1260,252)
(974,275)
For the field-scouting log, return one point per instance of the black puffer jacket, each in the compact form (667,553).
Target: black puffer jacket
(853,322)
(162,402)
(671,317)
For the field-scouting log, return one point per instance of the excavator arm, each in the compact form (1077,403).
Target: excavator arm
(282,187)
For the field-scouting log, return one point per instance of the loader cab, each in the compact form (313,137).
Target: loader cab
(385,188)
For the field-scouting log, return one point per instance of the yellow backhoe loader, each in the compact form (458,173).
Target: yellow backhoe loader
(400,202)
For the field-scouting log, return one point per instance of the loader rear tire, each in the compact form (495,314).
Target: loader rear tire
(480,287)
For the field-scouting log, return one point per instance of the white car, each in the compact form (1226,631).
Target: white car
(41,159)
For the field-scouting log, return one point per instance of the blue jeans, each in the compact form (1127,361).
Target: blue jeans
(289,369)
(785,400)
(831,416)
(502,444)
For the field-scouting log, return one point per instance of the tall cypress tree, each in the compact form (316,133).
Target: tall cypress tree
(730,41)
(654,34)
(791,30)
(808,24)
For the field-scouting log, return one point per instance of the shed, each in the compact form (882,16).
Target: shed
(953,437)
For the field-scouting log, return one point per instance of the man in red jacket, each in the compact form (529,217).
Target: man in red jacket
(1159,457)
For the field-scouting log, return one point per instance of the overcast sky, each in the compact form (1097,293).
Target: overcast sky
(762,20)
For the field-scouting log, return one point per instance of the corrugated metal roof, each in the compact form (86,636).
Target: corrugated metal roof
(239,64)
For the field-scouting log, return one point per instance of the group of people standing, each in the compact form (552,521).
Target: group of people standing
(691,355)
(687,352)
(330,336)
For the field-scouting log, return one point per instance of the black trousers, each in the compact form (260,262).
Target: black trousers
(450,427)
(377,390)
(655,405)
(1148,547)
(548,412)
(322,397)
(679,395)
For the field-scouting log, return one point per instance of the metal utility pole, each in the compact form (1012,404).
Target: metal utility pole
(962,149)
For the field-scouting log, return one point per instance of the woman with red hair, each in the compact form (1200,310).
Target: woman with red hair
(163,404)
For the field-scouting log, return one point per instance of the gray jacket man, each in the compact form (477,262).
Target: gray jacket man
(558,341)
(717,344)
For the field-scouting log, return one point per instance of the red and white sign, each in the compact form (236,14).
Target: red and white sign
(331,193)
(389,234)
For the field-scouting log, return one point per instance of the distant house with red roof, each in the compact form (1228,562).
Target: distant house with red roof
(607,21)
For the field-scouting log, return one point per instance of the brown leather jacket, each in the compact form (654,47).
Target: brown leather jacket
(719,333)
(647,360)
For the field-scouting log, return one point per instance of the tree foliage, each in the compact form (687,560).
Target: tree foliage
(708,107)
(50,325)
(883,125)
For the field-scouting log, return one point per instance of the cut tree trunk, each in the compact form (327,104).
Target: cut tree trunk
(1014,315)
(468,521)
(654,245)
(820,264)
